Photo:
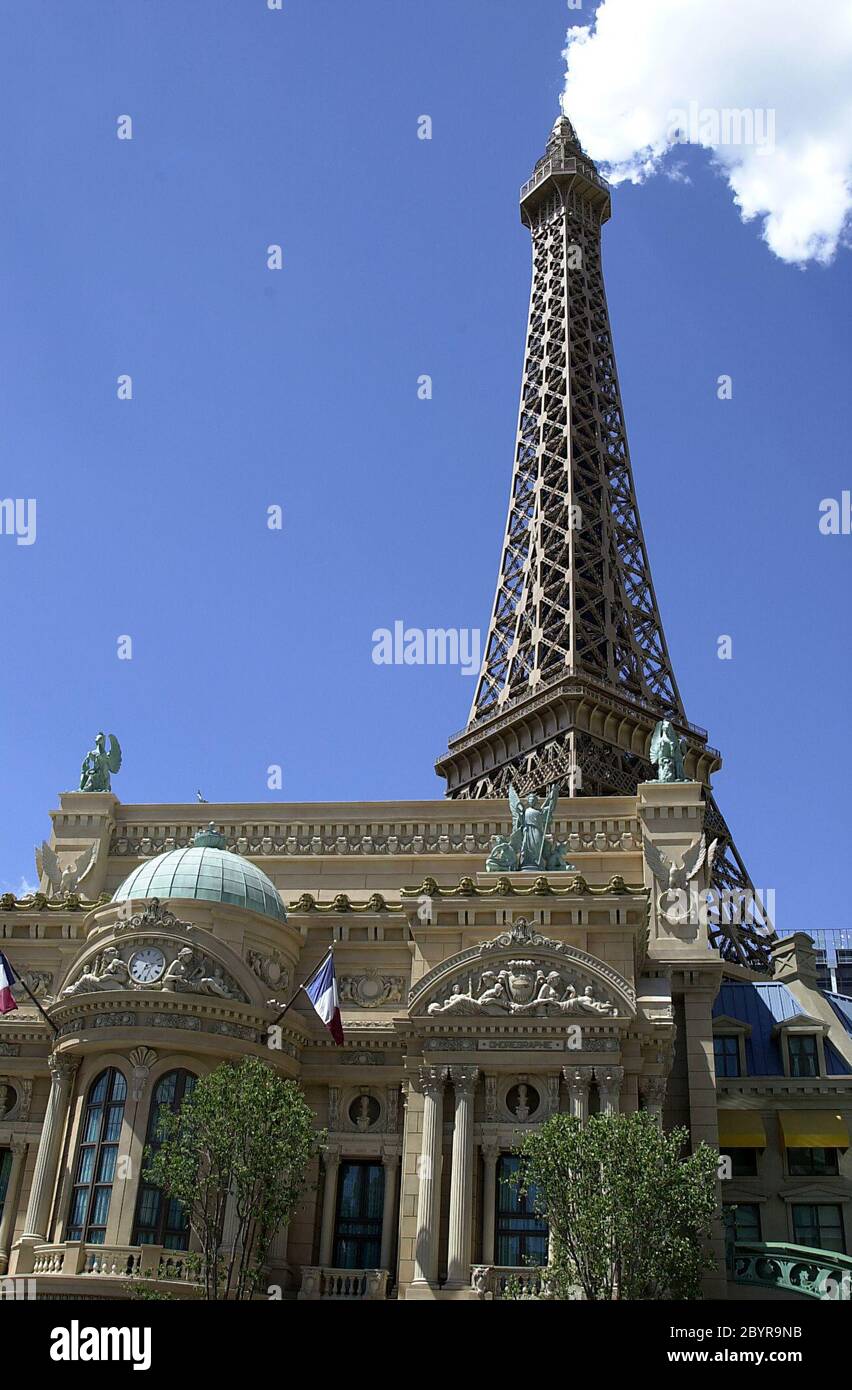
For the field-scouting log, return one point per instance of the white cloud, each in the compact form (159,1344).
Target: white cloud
(787,64)
(22,889)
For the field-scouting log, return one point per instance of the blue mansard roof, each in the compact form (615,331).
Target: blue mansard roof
(763,1007)
(842,1006)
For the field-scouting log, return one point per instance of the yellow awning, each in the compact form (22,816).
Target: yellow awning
(741,1129)
(813,1129)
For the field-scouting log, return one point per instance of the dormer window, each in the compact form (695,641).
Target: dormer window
(801,1040)
(804,1054)
(726,1051)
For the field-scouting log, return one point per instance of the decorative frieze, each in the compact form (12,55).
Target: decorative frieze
(372,989)
(295,841)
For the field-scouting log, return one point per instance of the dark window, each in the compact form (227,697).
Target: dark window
(820,1227)
(726,1049)
(743,1163)
(160,1220)
(358,1230)
(812,1163)
(804,1056)
(5,1170)
(746,1220)
(96,1158)
(844,972)
(520,1235)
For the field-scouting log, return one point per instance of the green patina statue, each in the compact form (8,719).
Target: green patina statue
(98,764)
(531,846)
(667,751)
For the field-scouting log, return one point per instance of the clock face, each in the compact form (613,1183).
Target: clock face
(146,965)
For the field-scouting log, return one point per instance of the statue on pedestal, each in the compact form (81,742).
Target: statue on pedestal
(531,846)
(667,751)
(98,764)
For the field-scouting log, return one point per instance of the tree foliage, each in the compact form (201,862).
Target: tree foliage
(246,1133)
(628,1212)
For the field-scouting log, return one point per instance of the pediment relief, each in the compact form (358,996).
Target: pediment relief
(153,962)
(523,973)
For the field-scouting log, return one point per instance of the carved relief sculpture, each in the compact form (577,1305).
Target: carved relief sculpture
(521,989)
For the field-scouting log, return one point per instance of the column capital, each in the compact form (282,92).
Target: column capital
(490,1150)
(62,1067)
(609,1076)
(464,1079)
(390,1158)
(331,1157)
(653,1088)
(431,1080)
(578,1076)
(19,1145)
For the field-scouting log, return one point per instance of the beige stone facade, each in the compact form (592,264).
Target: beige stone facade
(474,1005)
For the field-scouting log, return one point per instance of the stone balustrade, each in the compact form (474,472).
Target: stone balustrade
(75,1259)
(324,1282)
(523,1281)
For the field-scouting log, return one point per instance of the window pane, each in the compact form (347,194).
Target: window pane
(746,1220)
(92,1127)
(106,1164)
(804,1057)
(100,1206)
(158,1221)
(96,1158)
(726,1050)
(358,1231)
(78,1207)
(812,1163)
(86,1165)
(520,1235)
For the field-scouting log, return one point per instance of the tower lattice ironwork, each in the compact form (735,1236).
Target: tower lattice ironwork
(576,671)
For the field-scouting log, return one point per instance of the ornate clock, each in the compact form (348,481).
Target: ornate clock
(146,965)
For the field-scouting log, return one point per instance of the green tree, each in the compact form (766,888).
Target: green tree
(628,1212)
(246,1132)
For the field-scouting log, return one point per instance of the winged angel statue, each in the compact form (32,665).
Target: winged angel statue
(98,764)
(674,880)
(69,879)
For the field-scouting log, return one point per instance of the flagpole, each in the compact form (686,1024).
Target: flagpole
(301,989)
(31,995)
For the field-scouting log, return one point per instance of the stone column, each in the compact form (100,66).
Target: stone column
(578,1081)
(609,1081)
(390,1163)
(431,1084)
(652,1089)
(331,1163)
(461,1187)
(13,1192)
(490,1154)
(62,1071)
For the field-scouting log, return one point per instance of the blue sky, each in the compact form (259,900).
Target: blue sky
(299,388)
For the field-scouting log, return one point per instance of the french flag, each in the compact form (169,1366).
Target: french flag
(8,1002)
(322,992)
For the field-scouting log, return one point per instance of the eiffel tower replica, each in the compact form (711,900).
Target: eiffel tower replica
(576,671)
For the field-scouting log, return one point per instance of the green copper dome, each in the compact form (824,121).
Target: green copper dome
(207,871)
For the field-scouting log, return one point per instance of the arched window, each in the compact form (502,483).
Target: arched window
(160,1220)
(96,1156)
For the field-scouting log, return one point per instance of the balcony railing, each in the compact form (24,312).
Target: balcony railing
(350,1285)
(794,1268)
(76,1259)
(501,1281)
